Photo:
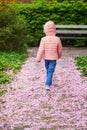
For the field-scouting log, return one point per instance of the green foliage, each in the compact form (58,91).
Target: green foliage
(79,43)
(38,12)
(4,77)
(13,30)
(10,61)
(82,64)
(70,1)
(2,92)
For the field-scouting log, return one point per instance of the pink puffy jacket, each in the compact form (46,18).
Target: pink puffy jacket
(50,46)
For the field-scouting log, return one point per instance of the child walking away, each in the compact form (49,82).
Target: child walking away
(50,50)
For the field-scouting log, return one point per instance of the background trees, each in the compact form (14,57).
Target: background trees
(13,29)
(22,23)
(37,13)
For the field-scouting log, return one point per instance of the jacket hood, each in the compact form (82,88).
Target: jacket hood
(50,28)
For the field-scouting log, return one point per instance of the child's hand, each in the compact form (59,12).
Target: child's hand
(37,63)
(37,60)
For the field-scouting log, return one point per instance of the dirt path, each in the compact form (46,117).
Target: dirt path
(28,106)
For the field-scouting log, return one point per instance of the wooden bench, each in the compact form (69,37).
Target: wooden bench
(72,31)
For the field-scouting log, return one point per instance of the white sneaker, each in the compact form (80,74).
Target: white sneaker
(48,88)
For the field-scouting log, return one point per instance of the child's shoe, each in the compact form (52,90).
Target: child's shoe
(47,88)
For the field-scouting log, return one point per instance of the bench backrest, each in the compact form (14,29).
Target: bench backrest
(72,29)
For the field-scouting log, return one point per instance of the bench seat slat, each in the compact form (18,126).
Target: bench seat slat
(71,31)
(72,26)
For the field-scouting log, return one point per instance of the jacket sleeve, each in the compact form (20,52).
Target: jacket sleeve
(40,52)
(59,49)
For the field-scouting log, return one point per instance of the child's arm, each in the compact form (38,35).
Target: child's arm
(59,48)
(40,52)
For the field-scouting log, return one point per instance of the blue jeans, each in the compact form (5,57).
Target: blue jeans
(50,68)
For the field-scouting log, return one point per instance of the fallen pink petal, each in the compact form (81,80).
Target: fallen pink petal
(28,106)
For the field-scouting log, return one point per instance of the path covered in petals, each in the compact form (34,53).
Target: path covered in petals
(28,106)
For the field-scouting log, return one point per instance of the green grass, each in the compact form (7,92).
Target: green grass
(10,61)
(2,92)
(81,63)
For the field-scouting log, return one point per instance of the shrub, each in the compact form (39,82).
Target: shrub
(82,64)
(10,61)
(37,13)
(13,30)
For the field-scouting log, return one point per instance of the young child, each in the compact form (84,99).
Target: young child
(50,50)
